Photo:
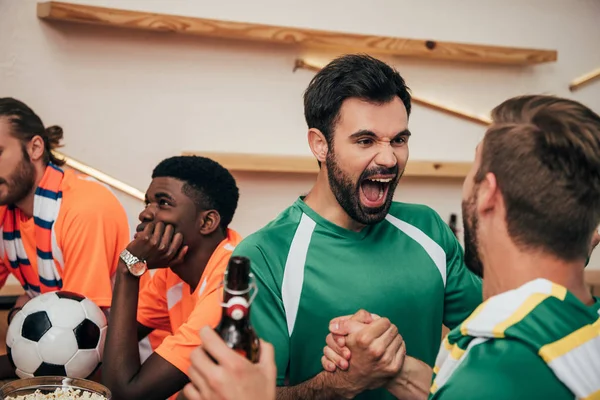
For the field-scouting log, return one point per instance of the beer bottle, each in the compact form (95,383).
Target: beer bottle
(235,328)
(452,224)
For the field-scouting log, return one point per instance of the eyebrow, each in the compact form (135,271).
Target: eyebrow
(366,132)
(161,195)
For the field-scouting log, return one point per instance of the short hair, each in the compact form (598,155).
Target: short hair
(545,154)
(26,124)
(350,76)
(206,182)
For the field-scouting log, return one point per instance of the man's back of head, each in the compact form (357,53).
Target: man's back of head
(544,155)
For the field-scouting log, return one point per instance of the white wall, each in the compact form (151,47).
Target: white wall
(129,99)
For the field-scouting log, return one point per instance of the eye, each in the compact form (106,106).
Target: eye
(163,202)
(399,140)
(364,141)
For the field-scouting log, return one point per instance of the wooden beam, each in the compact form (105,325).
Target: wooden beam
(242,162)
(295,36)
(485,121)
(584,80)
(101,176)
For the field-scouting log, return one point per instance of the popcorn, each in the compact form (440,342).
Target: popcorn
(60,394)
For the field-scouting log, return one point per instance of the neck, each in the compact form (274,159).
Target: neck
(507,268)
(26,203)
(194,264)
(322,200)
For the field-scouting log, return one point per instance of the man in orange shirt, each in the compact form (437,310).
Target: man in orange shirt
(60,230)
(184,233)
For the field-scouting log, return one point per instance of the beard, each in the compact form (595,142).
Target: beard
(470,222)
(19,184)
(347,194)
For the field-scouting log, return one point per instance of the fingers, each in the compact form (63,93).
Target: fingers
(342,351)
(267,354)
(146,234)
(334,324)
(165,241)
(384,341)
(202,368)
(157,234)
(334,358)
(350,326)
(339,325)
(176,244)
(399,356)
(216,347)
(339,339)
(363,316)
(191,393)
(327,364)
(365,337)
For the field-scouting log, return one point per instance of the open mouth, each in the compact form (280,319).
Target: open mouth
(374,190)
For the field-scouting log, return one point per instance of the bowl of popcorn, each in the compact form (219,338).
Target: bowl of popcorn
(54,388)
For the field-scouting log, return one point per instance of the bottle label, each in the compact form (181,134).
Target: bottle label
(237,308)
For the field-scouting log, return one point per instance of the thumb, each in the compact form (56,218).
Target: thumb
(267,354)
(364,317)
(346,327)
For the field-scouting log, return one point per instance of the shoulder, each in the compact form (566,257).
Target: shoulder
(418,215)
(277,234)
(419,219)
(489,372)
(269,247)
(84,196)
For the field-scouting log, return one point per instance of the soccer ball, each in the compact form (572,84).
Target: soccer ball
(59,334)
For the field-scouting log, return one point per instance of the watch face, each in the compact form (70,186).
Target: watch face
(138,268)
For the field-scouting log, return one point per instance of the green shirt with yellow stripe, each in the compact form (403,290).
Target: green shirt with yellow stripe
(536,342)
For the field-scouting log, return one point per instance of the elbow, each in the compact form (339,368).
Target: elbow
(119,389)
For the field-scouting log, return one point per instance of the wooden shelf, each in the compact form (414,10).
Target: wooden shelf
(306,38)
(242,162)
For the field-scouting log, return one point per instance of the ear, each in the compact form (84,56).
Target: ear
(36,148)
(318,144)
(209,222)
(489,196)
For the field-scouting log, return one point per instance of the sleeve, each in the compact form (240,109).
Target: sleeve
(177,348)
(93,234)
(463,293)
(267,312)
(152,302)
(489,372)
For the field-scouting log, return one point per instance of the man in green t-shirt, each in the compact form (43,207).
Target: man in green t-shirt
(347,246)
(531,207)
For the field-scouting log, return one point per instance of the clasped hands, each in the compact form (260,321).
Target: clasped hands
(365,349)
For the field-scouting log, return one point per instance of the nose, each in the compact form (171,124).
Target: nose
(386,157)
(147,214)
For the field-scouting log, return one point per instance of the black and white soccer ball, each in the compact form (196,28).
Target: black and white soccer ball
(59,334)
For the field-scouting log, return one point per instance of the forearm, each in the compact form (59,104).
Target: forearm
(324,386)
(7,371)
(413,382)
(121,353)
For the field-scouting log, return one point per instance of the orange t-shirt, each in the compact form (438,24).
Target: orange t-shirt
(91,230)
(167,303)
(150,343)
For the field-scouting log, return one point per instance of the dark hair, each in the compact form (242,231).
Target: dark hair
(545,154)
(350,76)
(206,182)
(26,124)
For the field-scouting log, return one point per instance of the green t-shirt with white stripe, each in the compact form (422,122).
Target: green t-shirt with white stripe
(408,268)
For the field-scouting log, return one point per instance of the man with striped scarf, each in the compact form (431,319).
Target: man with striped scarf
(60,230)
(531,207)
